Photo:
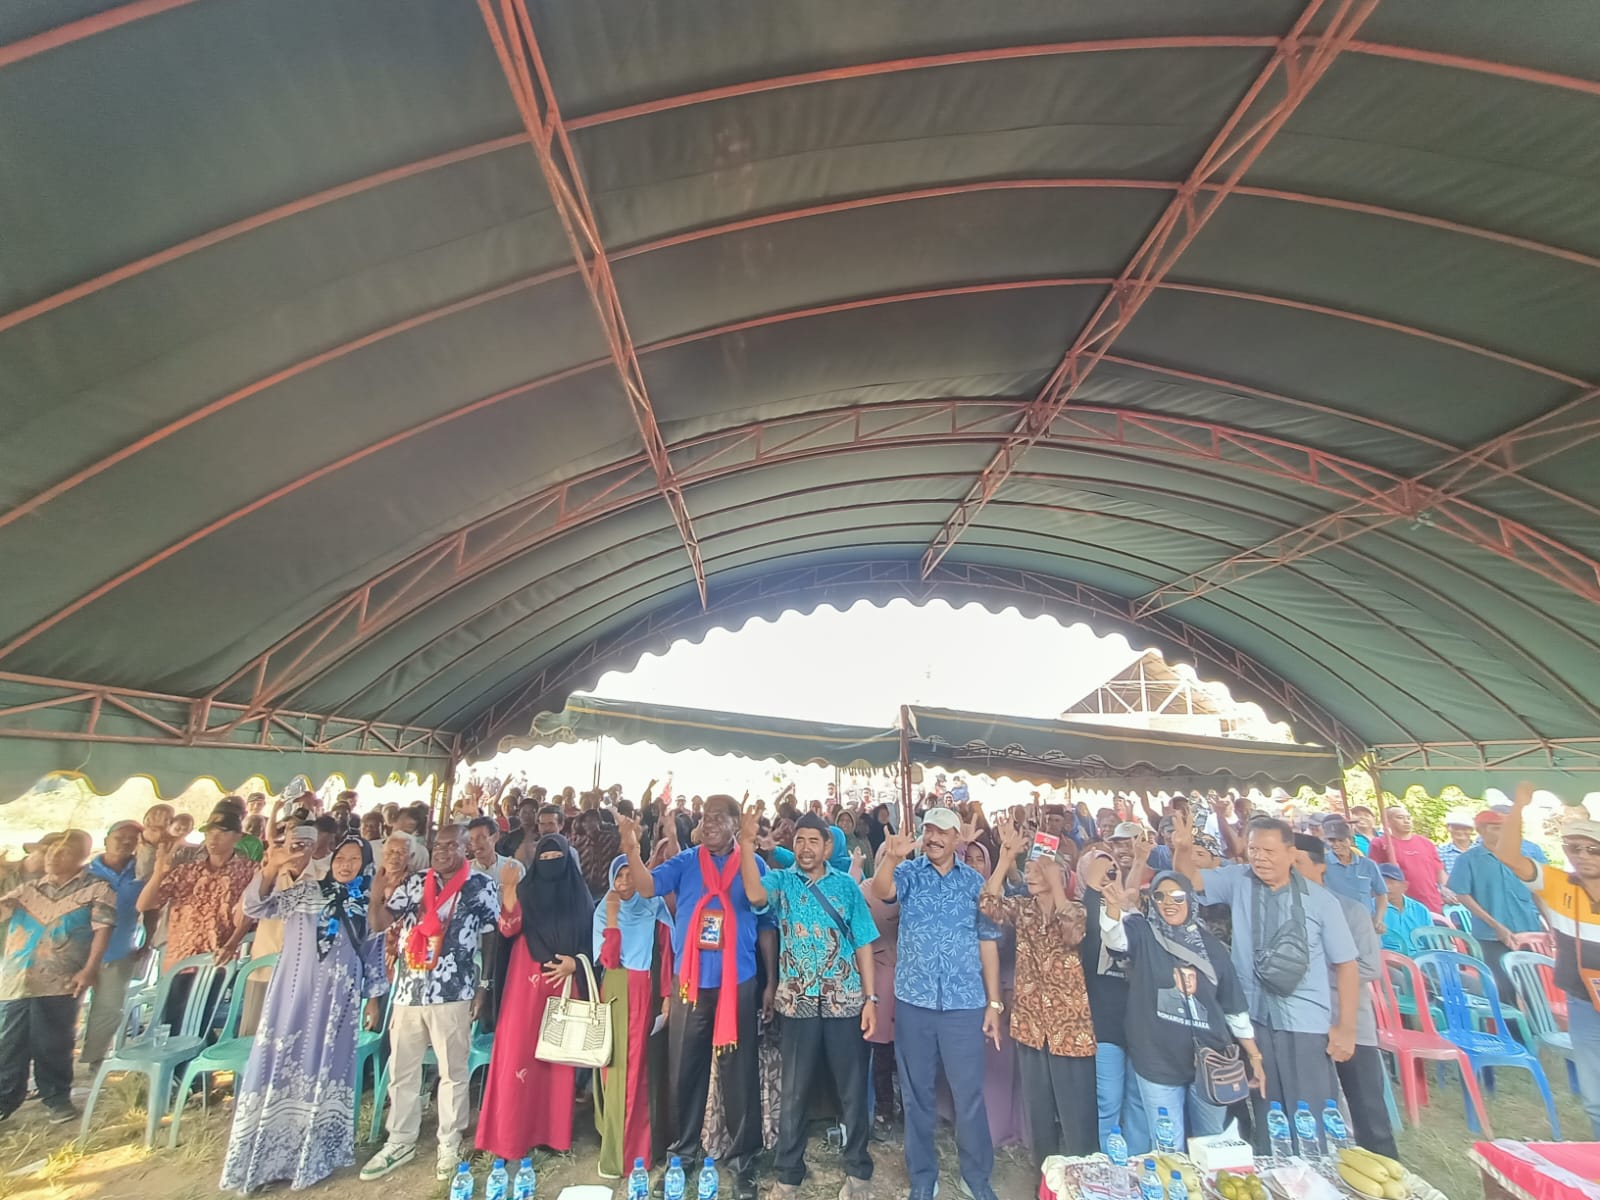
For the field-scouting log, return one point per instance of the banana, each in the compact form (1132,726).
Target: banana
(1362,1182)
(1375,1165)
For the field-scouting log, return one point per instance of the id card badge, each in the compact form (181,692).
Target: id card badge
(1591,984)
(711,929)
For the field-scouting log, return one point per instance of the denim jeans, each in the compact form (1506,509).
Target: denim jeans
(1583,1022)
(1118,1099)
(1191,1115)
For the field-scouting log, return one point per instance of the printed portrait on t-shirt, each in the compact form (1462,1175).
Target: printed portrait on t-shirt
(1181,1003)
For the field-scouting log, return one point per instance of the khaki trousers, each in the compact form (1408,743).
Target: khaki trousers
(412,1029)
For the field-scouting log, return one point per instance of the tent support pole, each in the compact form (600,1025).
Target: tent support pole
(908,820)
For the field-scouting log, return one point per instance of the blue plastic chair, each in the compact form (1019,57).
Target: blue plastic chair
(230,1052)
(1460,916)
(159,1064)
(1443,937)
(1450,974)
(1533,977)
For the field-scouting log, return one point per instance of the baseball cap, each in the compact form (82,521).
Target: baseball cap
(227,822)
(941,818)
(1459,816)
(1583,829)
(302,833)
(1390,871)
(124,825)
(1489,817)
(1128,830)
(1336,827)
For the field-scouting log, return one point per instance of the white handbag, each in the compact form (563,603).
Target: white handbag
(576,1033)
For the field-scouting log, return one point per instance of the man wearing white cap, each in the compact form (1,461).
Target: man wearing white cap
(947,998)
(1570,902)
(1458,825)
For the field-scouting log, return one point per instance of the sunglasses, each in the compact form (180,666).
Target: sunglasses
(1582,847)
(1171,897)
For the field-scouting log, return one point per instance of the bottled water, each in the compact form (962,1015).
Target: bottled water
(639,1182)
(708,1179)
(461,1185)
(1305,1129)
(498,1183)
(1117,1147)
(1278,1131)
(1176,1188)
(1150,1183)
(673,1186)
(1166,1133)
(1333,1127)
(522,1185)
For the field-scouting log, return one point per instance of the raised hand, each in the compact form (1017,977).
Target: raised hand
(510,877)
(898,845)
(628,834)
(1013,842)
(1523,796)
(1182,835)
(1095,870)
(749,827)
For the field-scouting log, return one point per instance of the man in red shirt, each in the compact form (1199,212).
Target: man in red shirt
(1417,858)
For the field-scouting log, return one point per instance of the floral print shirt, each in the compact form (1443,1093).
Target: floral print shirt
(51,933)
(474,912)
(817,972)
(1050,1009)
(201,900)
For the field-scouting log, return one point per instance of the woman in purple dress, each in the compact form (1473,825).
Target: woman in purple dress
(295,1103)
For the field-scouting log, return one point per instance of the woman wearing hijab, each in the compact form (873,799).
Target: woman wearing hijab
(292,1111)
(856,839)
(528,1102)
(633,942)
(1183,993)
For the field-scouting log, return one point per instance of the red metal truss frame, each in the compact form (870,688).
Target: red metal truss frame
(1243,136)
(806,587)
(458,557)
(165,720)
(517,48)
(1579,755)
(854,305)
(1434,498)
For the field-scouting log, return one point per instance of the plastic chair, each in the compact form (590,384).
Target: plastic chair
(1543,942)
(1483,1049)
(478,1054)
(1533,975)
(1444,937)
(1414,1047)
(138,1003)
(370,1049)
(159,1064)
(1408,987)
(1440,937)
(1459,916)
(229,1053)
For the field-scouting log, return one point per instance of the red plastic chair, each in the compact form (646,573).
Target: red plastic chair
(1414,1047)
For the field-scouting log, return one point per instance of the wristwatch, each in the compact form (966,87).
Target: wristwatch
(872,999)
(997,1005)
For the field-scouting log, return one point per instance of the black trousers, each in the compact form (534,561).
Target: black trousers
(37,1031)
(689,1032)
(1058,1095)
(883,1073)
(804,1041)
(1361,1076)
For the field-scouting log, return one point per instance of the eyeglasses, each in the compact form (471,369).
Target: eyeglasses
(1171,897)
(1582,846)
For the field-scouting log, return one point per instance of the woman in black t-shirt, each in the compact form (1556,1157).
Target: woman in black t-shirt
(1183,993)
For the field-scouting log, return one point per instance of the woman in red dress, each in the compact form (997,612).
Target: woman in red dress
(528,1103)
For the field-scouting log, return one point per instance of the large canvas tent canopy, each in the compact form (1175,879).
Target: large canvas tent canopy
(1015,747)
(413,362)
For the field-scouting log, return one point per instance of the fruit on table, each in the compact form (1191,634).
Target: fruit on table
(1368,1185)
(1374,1165)
(1168,1163)
(1233,1185)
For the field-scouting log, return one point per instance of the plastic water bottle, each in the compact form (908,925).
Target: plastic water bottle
(639,1182)
(461,1185)
(1150,1183)
(1166,1133)
(1117,1147)
(1305,1128)
(522,1186)
(498,1183)
(1278,1131)
(1176,1188)
(708,1179)
(1333,1128)
(672,1188)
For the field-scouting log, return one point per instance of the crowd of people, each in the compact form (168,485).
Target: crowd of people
(1069,977)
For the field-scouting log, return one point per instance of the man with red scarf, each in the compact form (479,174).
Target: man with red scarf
(442,913)
(714,928)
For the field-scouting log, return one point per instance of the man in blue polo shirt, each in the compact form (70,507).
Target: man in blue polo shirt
(119,869)
(947,997)
(713,916)
(1500,903)
(1353,874)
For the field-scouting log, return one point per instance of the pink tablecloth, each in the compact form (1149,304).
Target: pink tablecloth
(1542,1170)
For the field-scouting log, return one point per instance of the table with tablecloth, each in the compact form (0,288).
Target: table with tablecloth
(1539,1170)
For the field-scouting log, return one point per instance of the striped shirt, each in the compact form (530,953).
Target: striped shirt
(1575,920)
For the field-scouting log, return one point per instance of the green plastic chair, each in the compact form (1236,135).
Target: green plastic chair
(1445,937)
(159,1064)
(1533,976)
(370,1048)
(230,1052)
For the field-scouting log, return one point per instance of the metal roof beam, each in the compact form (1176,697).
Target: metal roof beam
(1434,498)
(1580,755)
(517,47)
(1241,140)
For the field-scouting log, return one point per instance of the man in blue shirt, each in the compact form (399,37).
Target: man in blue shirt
(714,916)
(1353,874)
(117,867)
(947,998)
(826,995)
(1500,903)
(1404,913)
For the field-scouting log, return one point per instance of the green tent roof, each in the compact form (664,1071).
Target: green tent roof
(307,408)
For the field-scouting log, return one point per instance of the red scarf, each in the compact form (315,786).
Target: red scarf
(426,936)
(717,885)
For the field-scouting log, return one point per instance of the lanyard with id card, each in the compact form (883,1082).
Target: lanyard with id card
(711,929)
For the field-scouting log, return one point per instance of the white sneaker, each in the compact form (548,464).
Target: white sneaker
(390,1156)
(445,1165)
